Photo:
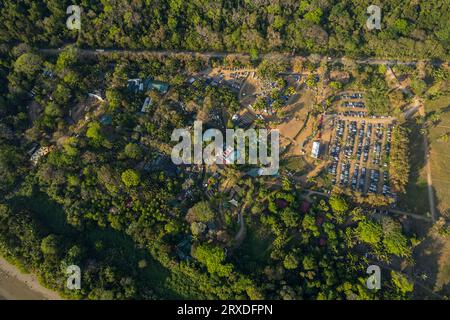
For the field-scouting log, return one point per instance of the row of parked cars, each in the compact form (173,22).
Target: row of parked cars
(367,142)
(360,140)
(335,148)
(356,114)
(343,96)
(351,138)
(350,104)
(387,146)
(374,180)
(378,144)
(345,173)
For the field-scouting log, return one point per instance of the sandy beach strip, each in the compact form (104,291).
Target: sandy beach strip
(15,285)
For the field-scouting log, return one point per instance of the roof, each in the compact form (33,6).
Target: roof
(315,149)
(39,153)
(147,104)
(253,172)
(147,84)
(106,120)
(160,86)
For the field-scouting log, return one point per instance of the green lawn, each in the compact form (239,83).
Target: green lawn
(297,165)
(440,152)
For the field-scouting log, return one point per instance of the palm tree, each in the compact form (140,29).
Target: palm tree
(443,138)
(435,117)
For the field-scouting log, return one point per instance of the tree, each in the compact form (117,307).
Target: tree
(443,137)
(290,218)
(401,26)
(130,178)
(197,228)
(28,64)
(50,246)
(200,212)
(290,261)
(435,117)
(70,146)
(418,86)
(338,204)
(369,232)
(402,284)
(94,132)
(396,243)
(114,98)
(133,151)
(212,257)
(298,65)
(393,239)
(67,58)
(309,263)
(314,16)
(399,164)
(269,68)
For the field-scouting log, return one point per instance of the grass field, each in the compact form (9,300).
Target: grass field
(298,165)
(440,152)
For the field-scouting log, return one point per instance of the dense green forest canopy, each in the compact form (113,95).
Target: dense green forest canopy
(100,201)
(103,197)
(409,29)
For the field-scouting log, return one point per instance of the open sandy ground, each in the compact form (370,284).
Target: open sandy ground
(15,285)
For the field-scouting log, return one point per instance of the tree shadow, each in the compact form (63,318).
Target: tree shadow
(415,199)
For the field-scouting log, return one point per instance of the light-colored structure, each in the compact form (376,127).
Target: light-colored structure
(39,153)
(315,149)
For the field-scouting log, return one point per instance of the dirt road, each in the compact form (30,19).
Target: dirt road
(213,54)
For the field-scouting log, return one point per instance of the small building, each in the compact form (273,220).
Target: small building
(234,202)
(96,95)
(315,149)
(191,80)
(147,104)
(134,84)
(106,120)
(137,85)
(39,153)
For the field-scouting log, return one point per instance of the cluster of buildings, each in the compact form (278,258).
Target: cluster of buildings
(139,85)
